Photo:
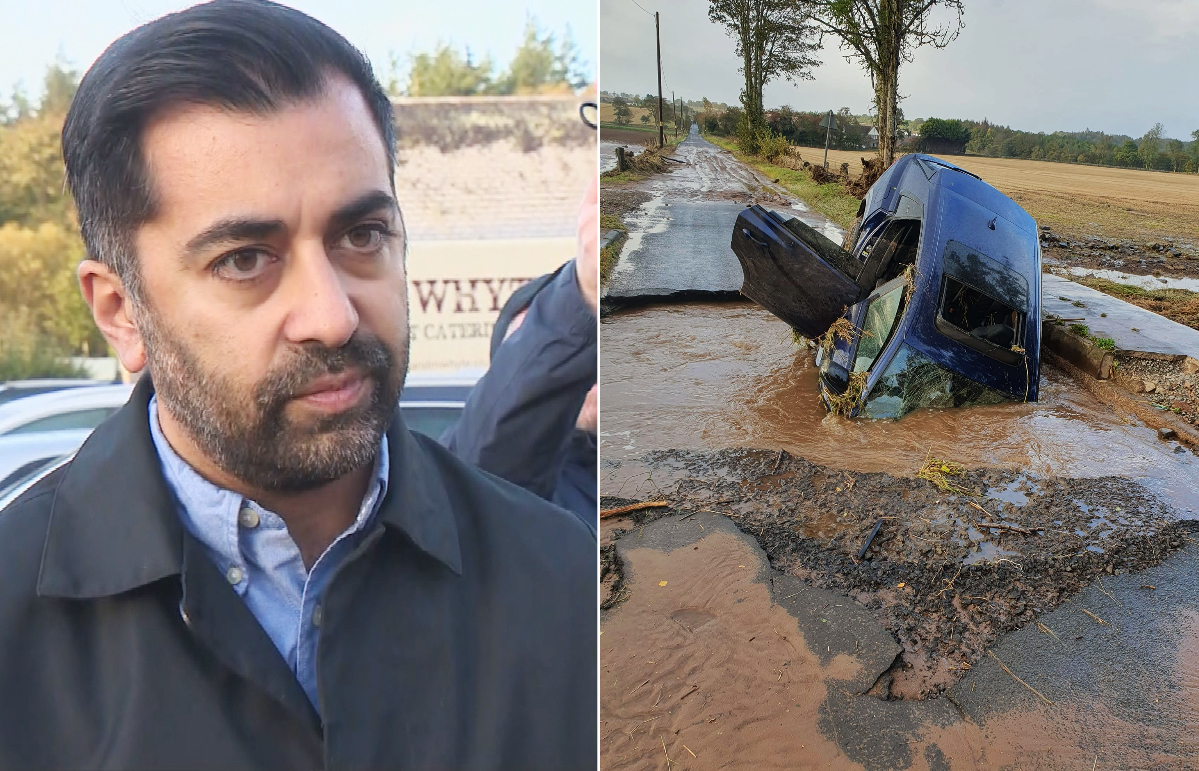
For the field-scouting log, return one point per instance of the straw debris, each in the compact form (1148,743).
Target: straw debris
(847,402)
(938,471)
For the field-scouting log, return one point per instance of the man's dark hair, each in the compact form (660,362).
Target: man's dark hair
(243,55)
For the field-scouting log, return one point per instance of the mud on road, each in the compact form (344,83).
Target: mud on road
(946,573)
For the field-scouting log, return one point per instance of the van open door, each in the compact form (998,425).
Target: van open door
(794,271)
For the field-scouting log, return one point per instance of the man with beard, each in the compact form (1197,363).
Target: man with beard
(254,563)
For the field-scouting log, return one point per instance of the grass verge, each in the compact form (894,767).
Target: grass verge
(1178,305)
(610,254)
(831,200)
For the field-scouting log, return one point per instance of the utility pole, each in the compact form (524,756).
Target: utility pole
(658,33)
(831,123)
(674,108)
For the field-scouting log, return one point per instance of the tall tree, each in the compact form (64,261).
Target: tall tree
(775,39)
(1150,146)
(882,34)
(620,109)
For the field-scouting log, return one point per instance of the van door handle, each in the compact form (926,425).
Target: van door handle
(745,232)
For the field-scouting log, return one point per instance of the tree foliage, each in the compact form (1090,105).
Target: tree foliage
(444,72)
(882,34)
(42,315)
(541,64)
(1091,147)
(952,131)
(775,39)
(621,111)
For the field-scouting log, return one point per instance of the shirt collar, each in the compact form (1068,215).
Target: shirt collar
(210,512)
(113,524)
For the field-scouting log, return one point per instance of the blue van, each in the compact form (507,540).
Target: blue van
(935,302)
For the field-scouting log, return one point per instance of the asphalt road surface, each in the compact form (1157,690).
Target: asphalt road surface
(679,240)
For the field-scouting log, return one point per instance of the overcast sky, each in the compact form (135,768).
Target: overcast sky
(33,32)
(1039,65)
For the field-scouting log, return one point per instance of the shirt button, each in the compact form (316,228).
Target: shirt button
(234,575)
(317,615)
(247,517)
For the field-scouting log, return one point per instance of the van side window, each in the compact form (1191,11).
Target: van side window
(982,304)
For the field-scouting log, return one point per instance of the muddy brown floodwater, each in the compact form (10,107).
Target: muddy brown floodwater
(719,375)
(691,660)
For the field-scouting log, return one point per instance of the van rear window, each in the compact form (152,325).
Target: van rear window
(983,304)
(980,321)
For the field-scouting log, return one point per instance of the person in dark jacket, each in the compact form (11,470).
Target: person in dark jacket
(531,419)
(254,564)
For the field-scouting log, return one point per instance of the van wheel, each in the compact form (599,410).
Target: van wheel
(851,237)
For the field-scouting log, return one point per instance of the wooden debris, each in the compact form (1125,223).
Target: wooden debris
(1017,679)
(1092,615)
(1046,630)
(605,513)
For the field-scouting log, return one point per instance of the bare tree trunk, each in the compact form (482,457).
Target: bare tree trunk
(887,85)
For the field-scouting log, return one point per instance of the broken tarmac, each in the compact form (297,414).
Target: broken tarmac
(1108,680)
(1133,329)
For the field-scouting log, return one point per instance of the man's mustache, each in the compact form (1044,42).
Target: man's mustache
(363,352)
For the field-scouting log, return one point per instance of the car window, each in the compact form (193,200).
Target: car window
(912,380)
(89,418)
(24,472)
(983,304)
(880,320)
(430,421)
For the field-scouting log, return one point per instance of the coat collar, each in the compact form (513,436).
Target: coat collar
(113,525)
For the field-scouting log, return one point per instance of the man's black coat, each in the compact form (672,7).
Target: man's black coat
(462,633)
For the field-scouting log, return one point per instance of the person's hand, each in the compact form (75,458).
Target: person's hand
(588,419)
(587,256)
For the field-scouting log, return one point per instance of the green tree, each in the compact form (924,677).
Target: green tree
(1126,154)
(541,65)
(1150,146)
(881,34)
(775,39)
(1176,151)
(620,110)
(645,118)
(58,89)
(445,72)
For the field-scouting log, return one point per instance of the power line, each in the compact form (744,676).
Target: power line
(639,6)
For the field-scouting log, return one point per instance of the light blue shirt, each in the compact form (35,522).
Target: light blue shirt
(253,549)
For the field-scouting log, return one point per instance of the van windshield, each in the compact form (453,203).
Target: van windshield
(881,315)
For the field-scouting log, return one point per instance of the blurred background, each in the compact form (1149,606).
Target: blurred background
(493,160)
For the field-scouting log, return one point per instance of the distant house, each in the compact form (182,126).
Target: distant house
(872,138)
(489,188)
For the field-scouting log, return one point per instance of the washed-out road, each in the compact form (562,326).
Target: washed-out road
(723,651)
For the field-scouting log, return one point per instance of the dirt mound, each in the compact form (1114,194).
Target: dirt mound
(946,572)
(821,175)
(872,169)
